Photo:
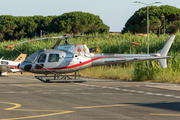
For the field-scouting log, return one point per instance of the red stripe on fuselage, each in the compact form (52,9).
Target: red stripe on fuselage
(74,66)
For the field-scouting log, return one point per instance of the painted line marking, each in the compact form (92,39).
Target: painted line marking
(176,96)
(125,90)
(140,92)
(15,105)
(149,93)
(158,94)
(58,112)
(66,93)
(128,90)
(37,116)
(117,88)
(86,93)
(106,93)
(110,88)
(104,87)
(116,105)
(39,110)
(168,95)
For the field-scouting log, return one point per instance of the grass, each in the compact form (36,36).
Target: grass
(114,72)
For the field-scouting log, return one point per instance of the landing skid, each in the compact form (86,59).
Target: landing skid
(61,78)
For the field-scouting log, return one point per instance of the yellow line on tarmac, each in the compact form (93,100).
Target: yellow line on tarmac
(116,105)
(45,115)
(58,112)
(38,110)
(16,105)
(164,114)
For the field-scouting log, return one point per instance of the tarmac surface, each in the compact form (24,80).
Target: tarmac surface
(25,97)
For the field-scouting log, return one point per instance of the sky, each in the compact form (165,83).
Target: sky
(114,13)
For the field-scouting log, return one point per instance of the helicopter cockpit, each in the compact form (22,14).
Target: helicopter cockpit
(45,56)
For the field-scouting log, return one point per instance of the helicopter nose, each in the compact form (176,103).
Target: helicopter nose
(25,67)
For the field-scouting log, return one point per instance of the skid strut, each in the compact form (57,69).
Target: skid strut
(61,78)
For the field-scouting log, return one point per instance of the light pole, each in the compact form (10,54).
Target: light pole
(164,23)
(147,21)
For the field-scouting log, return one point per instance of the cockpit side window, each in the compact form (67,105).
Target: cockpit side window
(53,58)
(42,58)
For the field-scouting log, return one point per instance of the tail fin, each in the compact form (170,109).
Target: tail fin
(167,46)
(20,58)
(165,50)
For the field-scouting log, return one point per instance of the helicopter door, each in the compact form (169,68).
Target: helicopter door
(53,61)
(40,61)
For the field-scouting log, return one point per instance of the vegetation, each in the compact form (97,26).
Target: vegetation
(17,29)
(12,28)
(138,71)
(137,23)
(79,22)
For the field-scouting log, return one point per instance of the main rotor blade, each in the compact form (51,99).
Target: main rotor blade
(9,46)
(134,43)
(57,43)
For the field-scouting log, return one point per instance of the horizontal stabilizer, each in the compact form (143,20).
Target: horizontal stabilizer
(163,63)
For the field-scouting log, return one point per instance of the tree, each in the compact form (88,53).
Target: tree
(74,22)
(7,27)
(79,22)
(138,22)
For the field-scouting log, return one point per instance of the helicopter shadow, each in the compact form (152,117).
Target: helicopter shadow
(175,106)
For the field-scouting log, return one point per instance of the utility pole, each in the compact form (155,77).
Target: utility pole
(164,23)
(41,33)
(159,27)
(147,21)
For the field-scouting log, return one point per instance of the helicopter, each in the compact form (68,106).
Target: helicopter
(62,59)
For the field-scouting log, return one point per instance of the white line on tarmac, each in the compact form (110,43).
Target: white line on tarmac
(66,93)
(158,94)
(177,97)
(127,90)
(149,93)
(140,91)
(86,93)
(168,95)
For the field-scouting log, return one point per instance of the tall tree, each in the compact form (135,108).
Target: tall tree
(74,22)
(137,23)
(7,27)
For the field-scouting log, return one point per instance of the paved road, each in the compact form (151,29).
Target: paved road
(24,97)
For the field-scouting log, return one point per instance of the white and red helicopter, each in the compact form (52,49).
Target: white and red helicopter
(72,58)
(11,66)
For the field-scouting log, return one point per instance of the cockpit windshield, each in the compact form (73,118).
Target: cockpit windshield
(32,58)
